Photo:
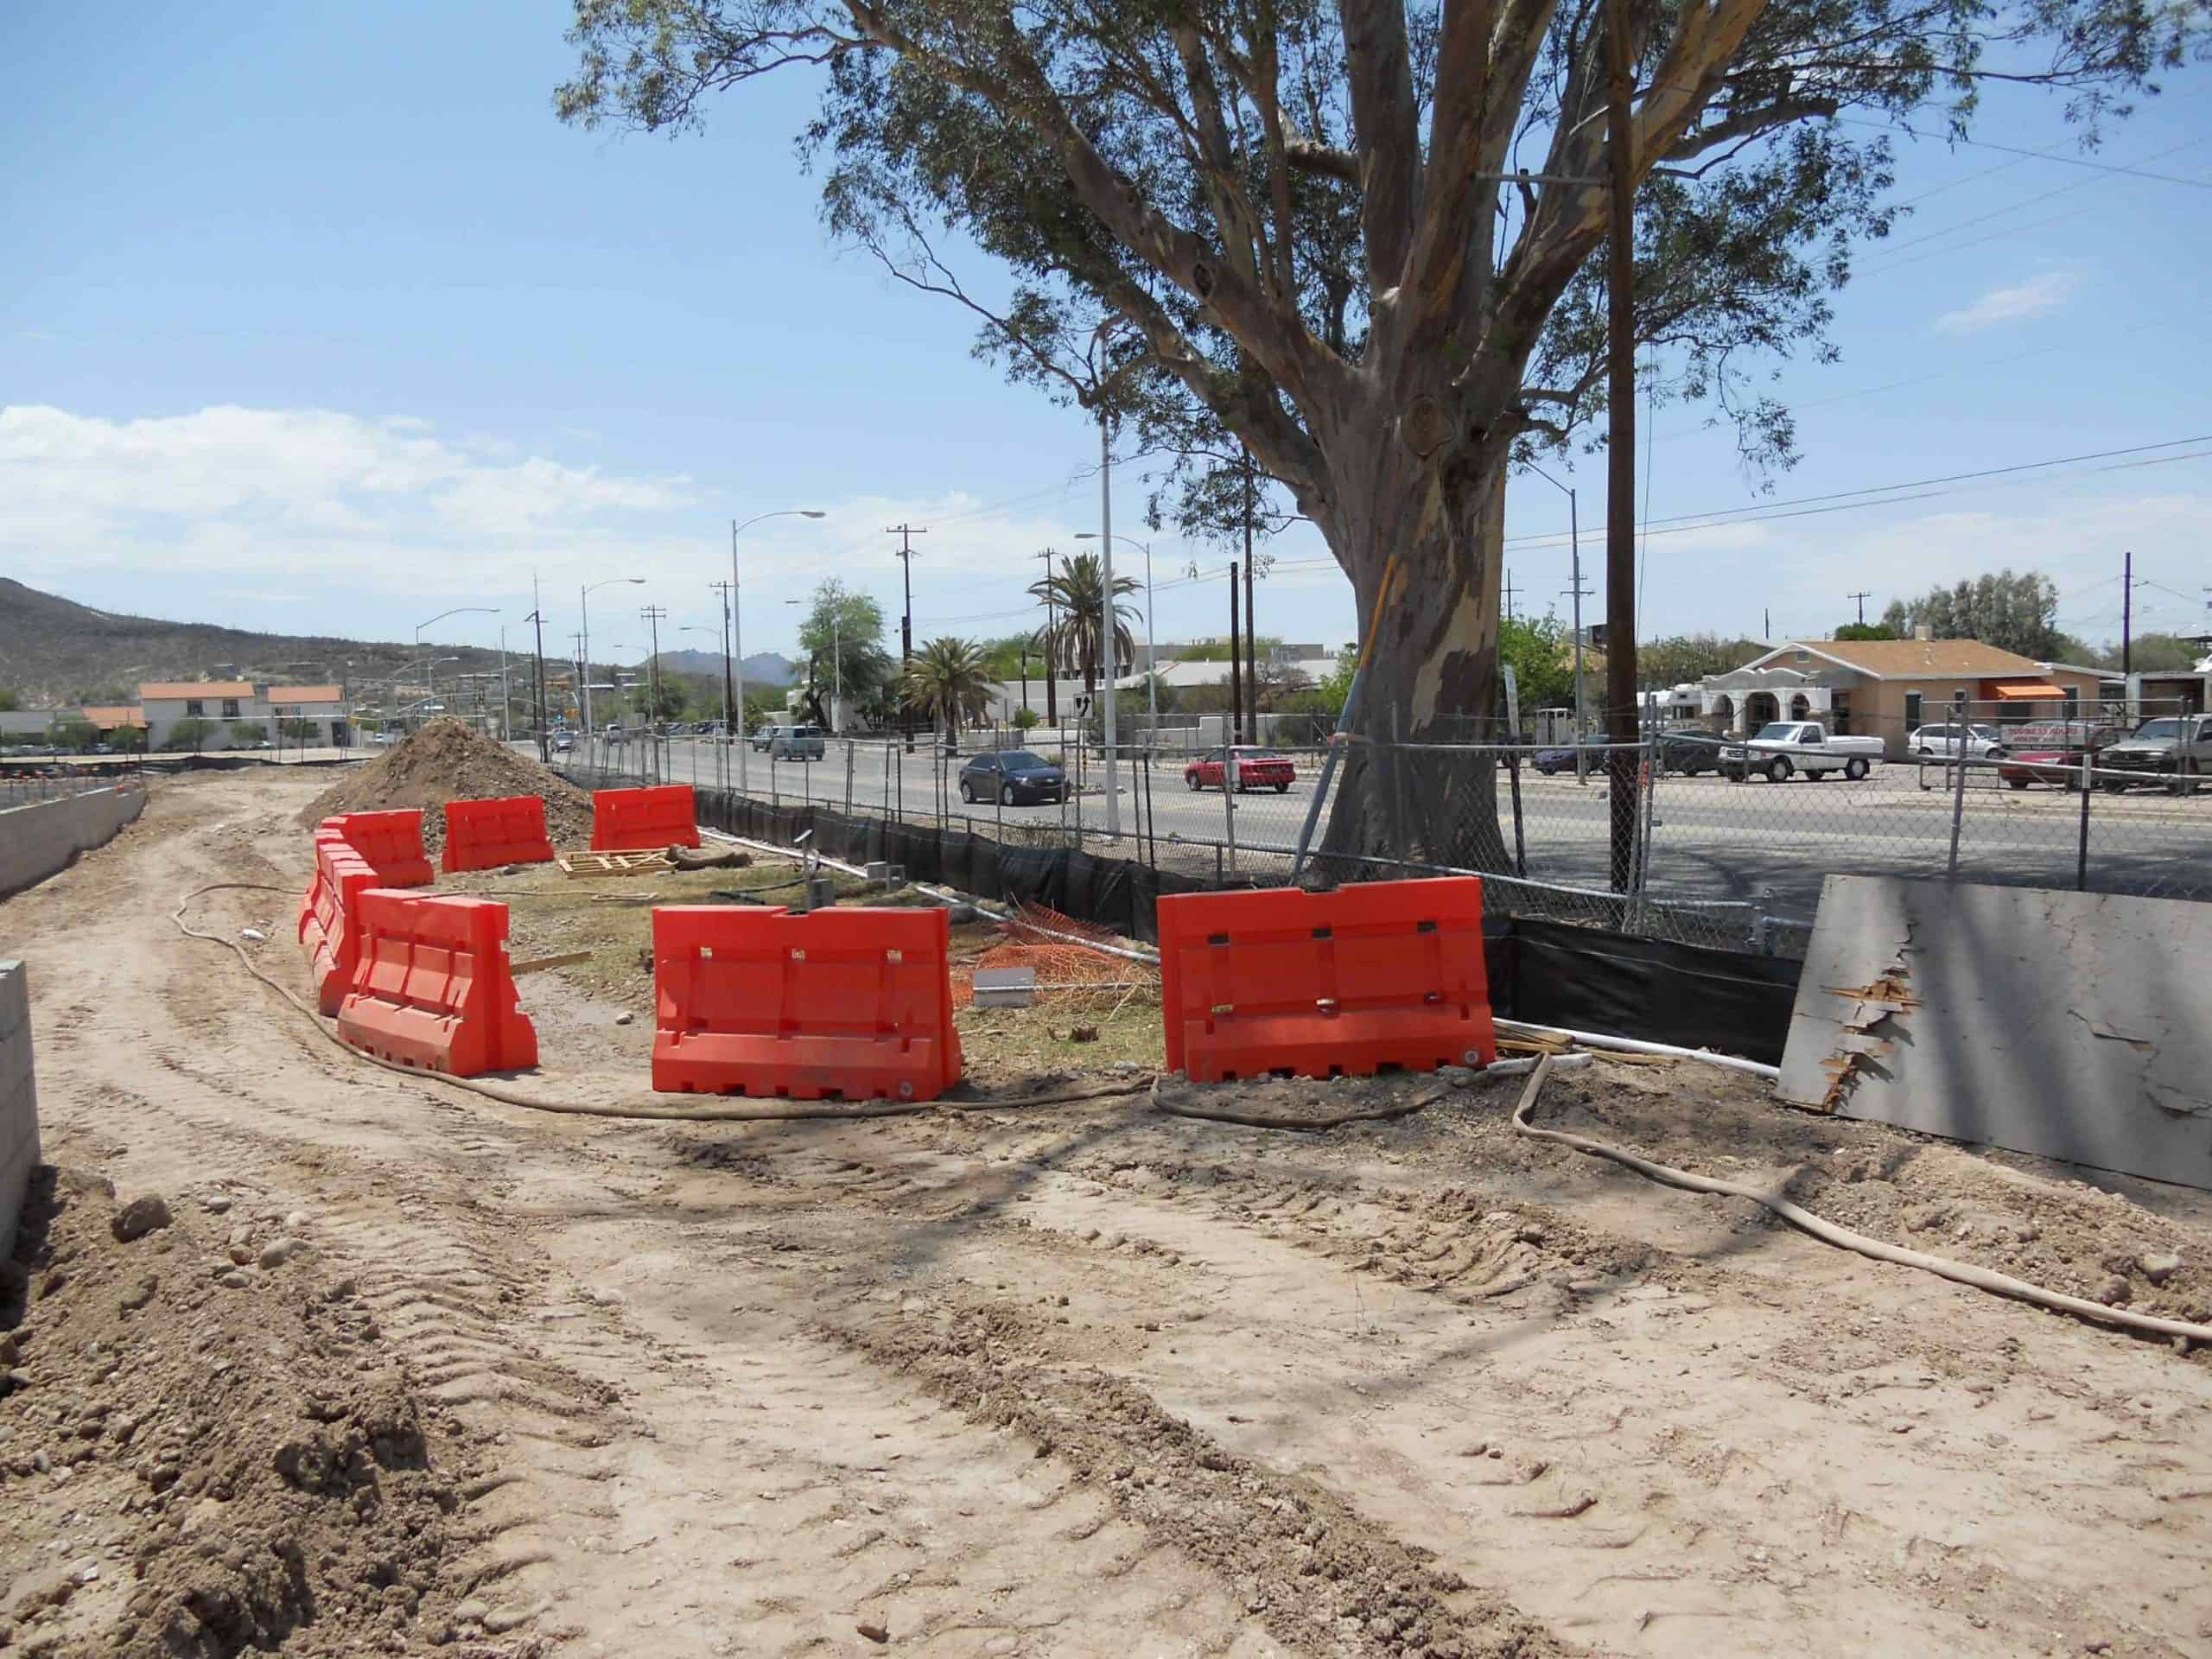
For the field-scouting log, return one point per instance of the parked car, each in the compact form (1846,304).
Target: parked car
(792,742)
(2052,751)
(563,741)
(613,731)
(1255,769)
(1555,760)
(1782,748)
(2174,750)
(1688,750)
(1014,777)
(1944,741)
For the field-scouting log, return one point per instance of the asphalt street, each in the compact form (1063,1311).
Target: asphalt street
(1761,843)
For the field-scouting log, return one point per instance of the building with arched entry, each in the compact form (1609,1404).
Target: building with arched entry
(1888,688)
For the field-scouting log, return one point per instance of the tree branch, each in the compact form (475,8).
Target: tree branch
(1388,139)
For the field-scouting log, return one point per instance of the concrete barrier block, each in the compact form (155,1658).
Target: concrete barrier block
(19,1144)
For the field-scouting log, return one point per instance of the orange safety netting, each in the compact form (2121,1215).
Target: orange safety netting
(1061,967)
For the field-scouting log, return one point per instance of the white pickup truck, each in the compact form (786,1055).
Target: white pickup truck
(1782,747)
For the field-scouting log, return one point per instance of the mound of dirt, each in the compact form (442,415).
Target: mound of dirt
(449,761)
(204,1447)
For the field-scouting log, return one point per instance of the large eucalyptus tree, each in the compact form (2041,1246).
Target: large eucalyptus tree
(1358,238)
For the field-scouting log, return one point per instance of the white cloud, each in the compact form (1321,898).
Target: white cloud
(232,492)
(260,505)
(2046,291)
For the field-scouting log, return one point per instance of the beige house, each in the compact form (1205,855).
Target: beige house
(1888,688)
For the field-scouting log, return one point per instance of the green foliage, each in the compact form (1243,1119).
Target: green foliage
(945,683)
(674,698)
(1685,658)
(188,735)
(10,700)
(244,734)
(2152,653)
(843,634)
(1075,638)
(1217,651)
(73,733)
(1005,658)
(127,740)
(1025,718)
(2015,612)
(299,731)
(1541,655)
(1336,685)
(1865,631)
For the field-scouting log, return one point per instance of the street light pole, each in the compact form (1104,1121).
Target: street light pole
(458,610)
(1575,542)
(583,678)
(736,623)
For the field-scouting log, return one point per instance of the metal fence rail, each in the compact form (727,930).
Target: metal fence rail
(1728,861)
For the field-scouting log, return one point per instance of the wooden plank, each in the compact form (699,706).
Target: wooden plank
(577,865)
(539,964)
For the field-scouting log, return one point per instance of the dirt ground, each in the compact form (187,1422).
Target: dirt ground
(1082,1380)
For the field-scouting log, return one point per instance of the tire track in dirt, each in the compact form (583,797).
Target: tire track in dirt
(1653,1518)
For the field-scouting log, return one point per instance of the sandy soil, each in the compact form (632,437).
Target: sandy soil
(1091,1380)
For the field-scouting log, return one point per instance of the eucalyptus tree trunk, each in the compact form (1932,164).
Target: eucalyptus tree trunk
(1430,527)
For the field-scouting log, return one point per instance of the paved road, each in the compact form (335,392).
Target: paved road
(1765,844)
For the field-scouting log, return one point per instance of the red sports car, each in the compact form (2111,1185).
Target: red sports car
(1255,769)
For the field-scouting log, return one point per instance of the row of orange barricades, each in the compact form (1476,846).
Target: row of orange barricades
(419,979)
(856,1003)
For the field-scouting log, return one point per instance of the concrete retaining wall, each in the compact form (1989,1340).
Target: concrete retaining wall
(18,1099)
(37,841)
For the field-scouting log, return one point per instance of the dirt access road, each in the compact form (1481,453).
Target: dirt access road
(1093,1381)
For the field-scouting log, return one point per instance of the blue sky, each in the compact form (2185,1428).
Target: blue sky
(316,319)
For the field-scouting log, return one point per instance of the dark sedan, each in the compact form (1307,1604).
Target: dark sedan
(1014,777)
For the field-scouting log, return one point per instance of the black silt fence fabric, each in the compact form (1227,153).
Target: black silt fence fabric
(1546,973)
(1651,989)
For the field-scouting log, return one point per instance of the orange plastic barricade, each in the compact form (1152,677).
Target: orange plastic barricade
(431,986)
(312,895)
(331,934)
(642,820)
(853,1002)
(484,834)
(391,841)
(1384,973)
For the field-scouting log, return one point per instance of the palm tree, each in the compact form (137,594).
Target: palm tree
(945,681)
(1073,644)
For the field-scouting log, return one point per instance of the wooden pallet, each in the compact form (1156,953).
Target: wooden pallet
(577,865)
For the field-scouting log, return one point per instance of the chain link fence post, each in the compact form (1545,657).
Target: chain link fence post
(1959,739)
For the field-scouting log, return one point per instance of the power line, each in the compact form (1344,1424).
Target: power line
(1774,509)
(2058,156)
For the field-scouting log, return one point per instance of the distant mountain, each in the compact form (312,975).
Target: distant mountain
(55,651)
(762,668)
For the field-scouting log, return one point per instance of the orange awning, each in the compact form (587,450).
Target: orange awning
(2031,691)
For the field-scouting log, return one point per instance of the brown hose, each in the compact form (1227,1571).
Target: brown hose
(646,1111)
(1828,1232)
(1266,1121)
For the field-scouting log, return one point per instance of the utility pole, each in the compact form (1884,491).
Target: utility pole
(1251,619)
(1862,597)
(1620,443)
(652,614)
(2127,613)
(733,710)
(1581,590)
(1236,700)
(1766,625)
(538,619)
(1509,591)
(905,533)
(1051,646)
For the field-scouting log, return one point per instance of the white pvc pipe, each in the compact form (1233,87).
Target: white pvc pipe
(1629,1045)
(1521,1068)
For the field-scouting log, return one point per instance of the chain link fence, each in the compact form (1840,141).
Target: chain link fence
(1718,844)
